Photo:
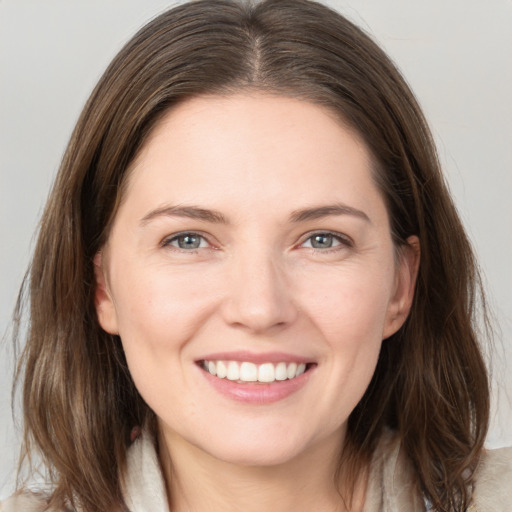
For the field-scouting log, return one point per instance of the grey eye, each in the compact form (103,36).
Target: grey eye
(188,241)
(322,241)
(326,241)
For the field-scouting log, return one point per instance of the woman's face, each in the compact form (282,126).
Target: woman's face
(252,243)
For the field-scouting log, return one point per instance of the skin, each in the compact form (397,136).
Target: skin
(255,284)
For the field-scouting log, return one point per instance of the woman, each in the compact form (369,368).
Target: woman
(251,289)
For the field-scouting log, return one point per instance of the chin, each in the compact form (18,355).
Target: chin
(256,453)
(269,445)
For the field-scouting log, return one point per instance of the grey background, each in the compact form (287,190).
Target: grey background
(456,54)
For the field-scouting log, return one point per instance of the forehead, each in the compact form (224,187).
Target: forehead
(247,148)
(227,119)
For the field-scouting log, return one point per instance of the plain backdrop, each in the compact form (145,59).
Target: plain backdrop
(456,54)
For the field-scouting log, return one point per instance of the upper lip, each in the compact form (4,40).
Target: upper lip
(256,358)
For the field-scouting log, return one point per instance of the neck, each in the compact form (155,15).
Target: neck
(199,482)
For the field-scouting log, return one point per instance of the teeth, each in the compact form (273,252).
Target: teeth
(291,371)
(233,371)
(222,371)
(300,369)
(266,373)
(281,373)
(250,372)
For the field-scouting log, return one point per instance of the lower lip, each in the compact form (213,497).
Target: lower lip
(255,392)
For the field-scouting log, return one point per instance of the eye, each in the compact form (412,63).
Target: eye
(186,241)
(325,241)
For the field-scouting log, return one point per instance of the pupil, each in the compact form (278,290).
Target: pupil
(322,241)
(189,242)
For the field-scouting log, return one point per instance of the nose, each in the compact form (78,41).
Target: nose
(259,297)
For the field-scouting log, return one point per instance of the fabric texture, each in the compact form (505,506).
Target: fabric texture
(390,488)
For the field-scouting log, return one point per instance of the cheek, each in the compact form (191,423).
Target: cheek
(158,312)
(156,305)
(350,304)
(350,313)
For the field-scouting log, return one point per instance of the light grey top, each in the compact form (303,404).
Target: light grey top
(390,487)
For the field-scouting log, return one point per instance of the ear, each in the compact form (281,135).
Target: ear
(406,274)
(105,308)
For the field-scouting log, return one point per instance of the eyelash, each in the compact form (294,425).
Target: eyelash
(343,241)
(167,242)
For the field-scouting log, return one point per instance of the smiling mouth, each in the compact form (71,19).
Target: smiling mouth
(247,372)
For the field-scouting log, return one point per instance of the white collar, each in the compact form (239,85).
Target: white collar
(143,485)
(390,486)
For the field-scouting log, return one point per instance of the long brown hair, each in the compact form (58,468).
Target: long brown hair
(430,384)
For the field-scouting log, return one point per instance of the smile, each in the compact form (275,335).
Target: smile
(244,371)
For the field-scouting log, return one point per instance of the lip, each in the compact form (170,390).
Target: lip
(250,357)
(257,393)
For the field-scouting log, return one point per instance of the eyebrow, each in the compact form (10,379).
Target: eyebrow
(302,215)
(326,211)
(190,212)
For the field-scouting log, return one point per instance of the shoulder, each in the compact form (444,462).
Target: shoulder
(391,482)
(391,485)
(25,501)
(493,481)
